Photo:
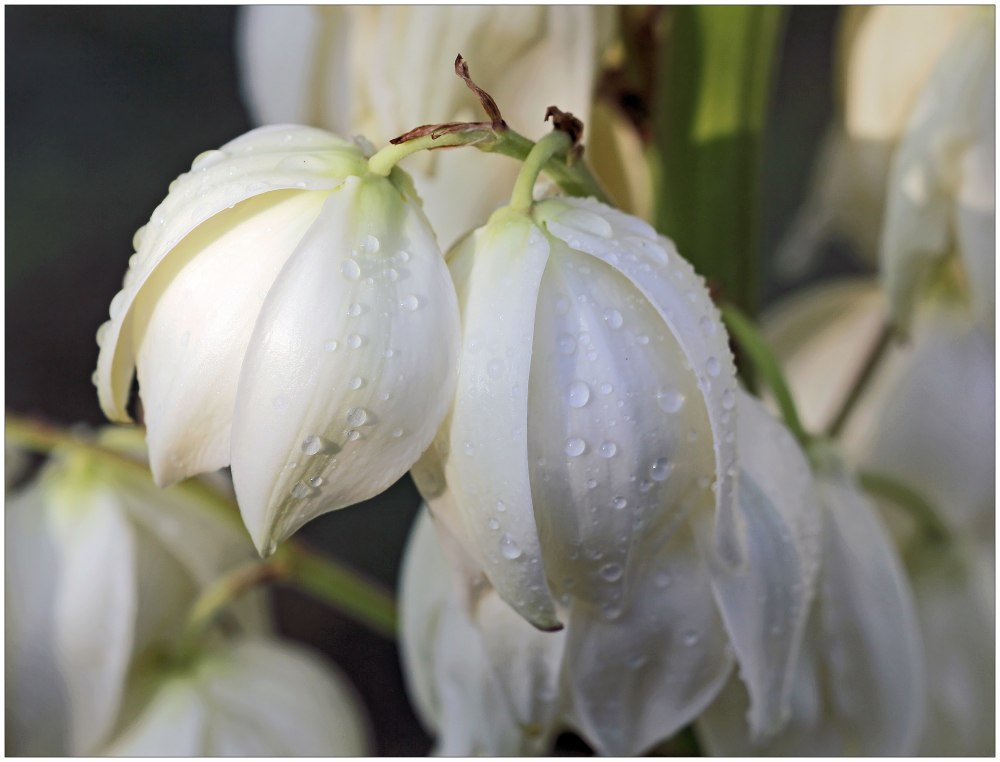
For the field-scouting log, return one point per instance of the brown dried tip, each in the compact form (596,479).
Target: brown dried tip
(489,105)
(565,122)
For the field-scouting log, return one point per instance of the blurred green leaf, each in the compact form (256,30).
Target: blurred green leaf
(714,80)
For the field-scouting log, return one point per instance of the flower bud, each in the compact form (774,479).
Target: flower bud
(254,698)
(101,571)
(290,314)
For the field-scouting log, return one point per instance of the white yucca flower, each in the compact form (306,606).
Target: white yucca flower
(288,313)
(587,480)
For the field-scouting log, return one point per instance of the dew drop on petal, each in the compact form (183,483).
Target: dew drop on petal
(611,572)
(316,481)
(354,341)
(403,256)
(645,485)
(660,470)
(410,303)
(662,579)
(350,270)
(608,449)
(397,433)
(355,383)
(670,400)
(353,435)
(494,524)
(577,394)
(642,339)
(728,399)
(509,548)
(690,637)
(712,366)
(575,446)
(591,483)
(330,346)
(620,503)
(468,448)
(606,388)
(501,506)
(591,355)
(354,310)
(356,416)
(634,661)
(369,244)
(311,445)
(707,326)
(562,305)
(566,344)
(583,337)
(300,490)
(613,318)
(390,274)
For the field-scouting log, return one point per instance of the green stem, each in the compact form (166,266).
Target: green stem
(328,580)
(556,142)
(919,509)
(874,359)
(767,367)
(383,161)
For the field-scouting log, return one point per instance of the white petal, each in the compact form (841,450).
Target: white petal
(639,679)
(651,262)
(351,366)
(269,158)
(95,606)
(619,444)
(859,682)
(765,605)
(192,323)
(258,698)
(921,207)
(37,713)
(487,465)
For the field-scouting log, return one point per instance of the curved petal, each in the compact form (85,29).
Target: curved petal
(619,448)
(351,365)
(258,698)
(765,606)
(670,284)
(266,159)
(924,184)
(859,682)
(639,679)
(192,323)
(486,465)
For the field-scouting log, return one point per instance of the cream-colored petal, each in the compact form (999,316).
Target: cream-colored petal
(927,171)
(257,698)
(637,680)
(270,158)
(670,284)
(37,703)
(859,683)
(351,366)
(95,604)
(192,323)
(765,606)
(619,444)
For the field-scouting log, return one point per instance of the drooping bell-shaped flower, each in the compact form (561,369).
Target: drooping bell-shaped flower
(101,570)
(251,698)
(376,70)
(289,313)
(858,687)
(588,472)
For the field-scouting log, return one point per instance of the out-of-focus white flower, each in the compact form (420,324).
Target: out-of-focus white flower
(101,570)
(252,698)
(859,684)
(941,198)
(579,497)
(885,56)
(288,313)
(384,70)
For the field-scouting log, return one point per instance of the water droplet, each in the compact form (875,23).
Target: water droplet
(670,400)
(389,274)
(300,490)
(575,446)
(707,326)
(577,394)
(350,270)
(662,579)
(730,437)
(704,481)
(611,572)
(117,305)
(562,305)
(583,337)
(591,355)
(645,485)
(660,470)
(608,449)
(354,341)
(591,483)
(355,383)
(728,399)
(610,611)
(410,303)
(494,524)
(690,637)
(316,481)
(353,435)
(494,368)
(369,244)
(356,416)
(542,461)
(642,339)
(509,549)
(566,344)
(387,353)
(397,433)
(383,396)
(635,661)
(354,310)
(620,503)
(467,447)
(280,405)
(613,318)
(330,346)
(311,445)
(712,366)
(403,256)
(691,296)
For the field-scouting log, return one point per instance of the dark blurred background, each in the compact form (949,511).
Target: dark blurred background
(104,107)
